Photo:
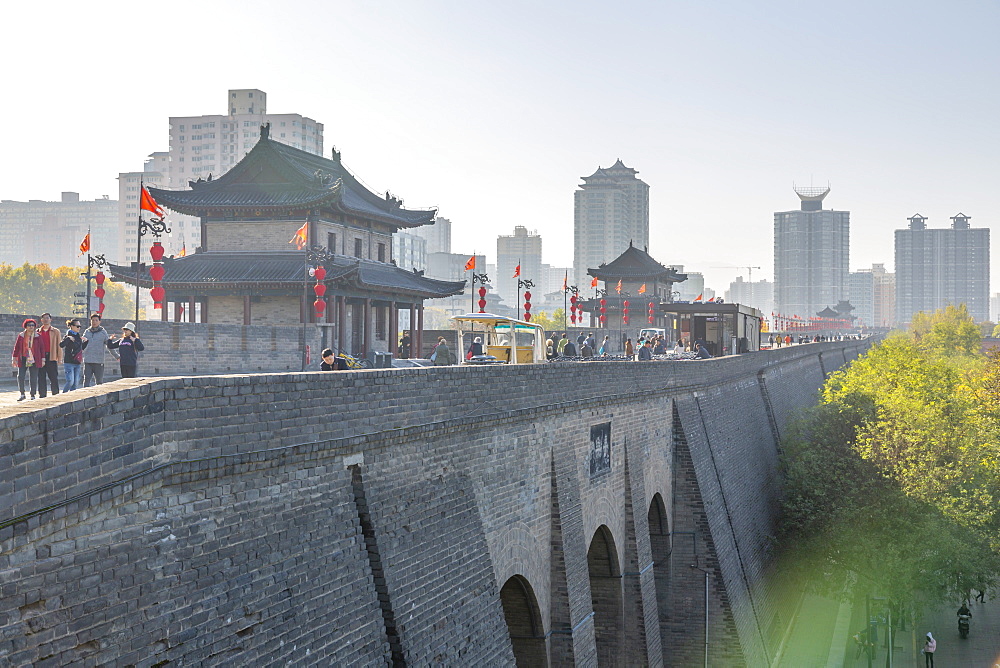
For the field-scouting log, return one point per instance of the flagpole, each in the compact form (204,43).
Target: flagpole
(472,282)
(138,254)
(517,305)
(565,292)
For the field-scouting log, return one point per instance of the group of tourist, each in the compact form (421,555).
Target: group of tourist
(40,348)
(779,340)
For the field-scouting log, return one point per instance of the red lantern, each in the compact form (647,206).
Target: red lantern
(527,305)
(319,289)
(157,293)
(100,308)
(99,293)
(320,306)
(156,250)
(651,313)
(482,300)
(319,273)
(100,277)
(156,272)
(527,317)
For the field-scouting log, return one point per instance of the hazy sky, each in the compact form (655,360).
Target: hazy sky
(493,111)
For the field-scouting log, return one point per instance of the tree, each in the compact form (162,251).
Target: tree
(895,475)
(550,324)
(34,289)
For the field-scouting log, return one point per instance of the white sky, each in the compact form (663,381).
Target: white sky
(492,111)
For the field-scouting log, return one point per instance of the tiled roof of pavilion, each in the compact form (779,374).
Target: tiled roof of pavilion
(275,179)
(635,263)
(241,270)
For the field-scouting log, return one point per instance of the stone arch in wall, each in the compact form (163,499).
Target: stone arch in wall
(524,622)
(606,596)
(659,546)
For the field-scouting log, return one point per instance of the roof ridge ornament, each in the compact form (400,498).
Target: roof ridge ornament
(265,130)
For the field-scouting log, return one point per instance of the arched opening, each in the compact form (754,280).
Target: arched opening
(659,545)
(606,596)
(524,622)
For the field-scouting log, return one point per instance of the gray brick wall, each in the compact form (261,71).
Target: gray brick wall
(211,519)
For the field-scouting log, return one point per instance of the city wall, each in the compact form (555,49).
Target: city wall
(548,514)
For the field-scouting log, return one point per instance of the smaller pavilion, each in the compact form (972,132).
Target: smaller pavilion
(634,268)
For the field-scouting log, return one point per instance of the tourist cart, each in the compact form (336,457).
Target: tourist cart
(507,340)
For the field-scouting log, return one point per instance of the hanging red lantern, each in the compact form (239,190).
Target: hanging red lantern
(157,293)
(527,305)
(99,293)
(320,306)
(651,312)
(320,273)
(156,250)
(319,289)
(482,300)
(100,308)
(625,311)
(156,272)
(100,277)
(603,310)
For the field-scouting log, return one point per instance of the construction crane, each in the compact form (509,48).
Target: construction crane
(742,266)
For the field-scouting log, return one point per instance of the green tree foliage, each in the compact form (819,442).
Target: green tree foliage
(550,323)
(34,289)
(895,475)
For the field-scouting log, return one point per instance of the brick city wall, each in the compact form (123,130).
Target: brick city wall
(179,348)
(358,518)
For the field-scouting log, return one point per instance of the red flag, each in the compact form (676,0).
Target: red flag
(301,236)
(698,298)
(517,271)
(642,290)
(85,244)
(711,299)
(471,264)
(184,250)
(593,283)
(619,288)
(147,203)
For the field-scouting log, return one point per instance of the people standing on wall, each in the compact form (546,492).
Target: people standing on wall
(629,349)
(329,361)
(129,346)
(550,349)
(788,339)
(561,346)
(73,345)
(646,351)
(95,354)
(679,347)
(603,350)
(660,347)
(51,337)
(442,354)
(404,346)
(28,357)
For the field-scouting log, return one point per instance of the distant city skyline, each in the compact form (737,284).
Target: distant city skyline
(721,107)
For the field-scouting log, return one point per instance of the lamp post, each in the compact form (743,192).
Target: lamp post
(101,263)
(527,284)
(316,259)
(624,294)
(156,227)
(482,279)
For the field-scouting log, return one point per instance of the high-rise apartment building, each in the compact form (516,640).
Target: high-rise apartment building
(438,235)
(204,146)
(758,294)
(937,267)
(40,232)
(811,254)
(521,248)
(611,209)
(409,250)
(872,293)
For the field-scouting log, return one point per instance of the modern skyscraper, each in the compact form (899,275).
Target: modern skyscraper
(154,173)
(438,235)
(758,294)
(938,267)
(521,248)
(611,209)
(39,232)
(811,253)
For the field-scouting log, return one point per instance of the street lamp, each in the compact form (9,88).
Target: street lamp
(318,256)
(156,227)
(527,284)
(482,279)
(101,263)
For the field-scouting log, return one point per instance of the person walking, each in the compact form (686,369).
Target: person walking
(930,646)
(28,357)
(603,350)
(51,337)
(128,346)
(95,352)
(73,345)
(561,346)
(441,354)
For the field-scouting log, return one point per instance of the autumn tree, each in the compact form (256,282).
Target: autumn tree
(33,289)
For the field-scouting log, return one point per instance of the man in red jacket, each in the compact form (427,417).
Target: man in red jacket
(50,337)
